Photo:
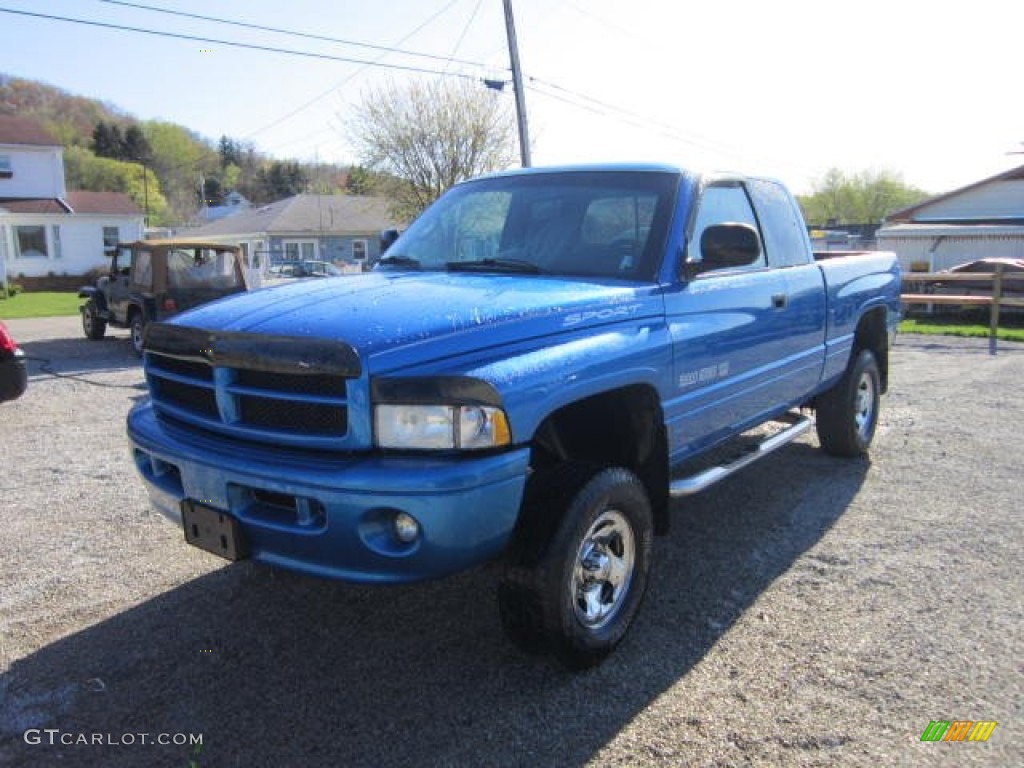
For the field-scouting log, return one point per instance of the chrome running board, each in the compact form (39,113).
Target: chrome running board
(687,486)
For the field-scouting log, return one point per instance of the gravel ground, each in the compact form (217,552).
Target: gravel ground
(810,611)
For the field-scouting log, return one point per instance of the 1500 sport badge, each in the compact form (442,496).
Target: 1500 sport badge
(704,375)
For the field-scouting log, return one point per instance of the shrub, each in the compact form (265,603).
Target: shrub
(9,290)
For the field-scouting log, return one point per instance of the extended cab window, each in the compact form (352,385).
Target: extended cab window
(722,204)
(786,237)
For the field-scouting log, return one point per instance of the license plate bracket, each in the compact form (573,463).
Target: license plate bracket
(213,530)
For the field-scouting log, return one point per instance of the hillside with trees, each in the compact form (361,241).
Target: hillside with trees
(165,168)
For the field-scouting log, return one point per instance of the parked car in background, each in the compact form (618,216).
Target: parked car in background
(307,268)
(1013,277)
(320,269)
(154,280)
(13,373)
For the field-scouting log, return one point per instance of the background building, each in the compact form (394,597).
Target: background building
(981,220)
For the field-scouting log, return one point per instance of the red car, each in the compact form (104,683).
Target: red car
(13,373)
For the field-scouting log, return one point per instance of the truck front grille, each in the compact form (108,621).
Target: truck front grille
(270,389)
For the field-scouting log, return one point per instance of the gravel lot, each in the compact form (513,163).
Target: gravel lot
(810,611)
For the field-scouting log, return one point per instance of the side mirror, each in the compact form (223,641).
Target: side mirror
(727,246)
(387,239)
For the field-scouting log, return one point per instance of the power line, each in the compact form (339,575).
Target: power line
(251,46)
(349,78)
(294,33)
(596,106)
(458,43)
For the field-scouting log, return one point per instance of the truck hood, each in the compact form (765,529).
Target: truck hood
(394,320)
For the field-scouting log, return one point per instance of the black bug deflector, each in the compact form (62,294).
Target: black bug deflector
(273,353)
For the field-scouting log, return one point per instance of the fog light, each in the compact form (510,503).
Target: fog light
(406,528)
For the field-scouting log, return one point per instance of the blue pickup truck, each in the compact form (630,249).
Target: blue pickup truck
(521,376)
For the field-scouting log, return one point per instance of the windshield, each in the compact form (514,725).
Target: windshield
(590,223)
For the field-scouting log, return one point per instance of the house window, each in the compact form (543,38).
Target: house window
(6,171)
(111,237)
(55,239)
(30,242)
(358,250)
(299,249)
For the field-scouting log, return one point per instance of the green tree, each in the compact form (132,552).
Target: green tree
(107,140)
(861,198)
(230,152)
(84,170)
(180,159)
(135,147)
(280,180)
(360,181)
(430,134)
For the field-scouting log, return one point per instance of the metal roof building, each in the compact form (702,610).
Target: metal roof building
(981,220)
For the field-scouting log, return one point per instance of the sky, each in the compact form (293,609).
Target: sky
(929,91)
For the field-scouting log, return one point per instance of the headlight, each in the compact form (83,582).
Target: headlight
(440,427)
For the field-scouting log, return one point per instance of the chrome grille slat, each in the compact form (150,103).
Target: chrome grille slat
(194,380)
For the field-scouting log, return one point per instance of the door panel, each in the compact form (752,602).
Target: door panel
(744,340)
(728,341)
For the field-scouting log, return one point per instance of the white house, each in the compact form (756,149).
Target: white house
(984,219)
(44,229)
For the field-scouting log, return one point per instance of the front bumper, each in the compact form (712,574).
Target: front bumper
(330,515)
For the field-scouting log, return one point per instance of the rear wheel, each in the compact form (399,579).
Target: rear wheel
(138,329)
(93,325)
(575,581)
(848,413)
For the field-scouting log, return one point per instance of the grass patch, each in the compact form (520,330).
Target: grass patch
(953,327)
(41,304)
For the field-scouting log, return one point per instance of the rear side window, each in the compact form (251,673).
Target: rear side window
(142,265)
(784,232)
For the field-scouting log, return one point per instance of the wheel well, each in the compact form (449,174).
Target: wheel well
(623,428)
(873,334)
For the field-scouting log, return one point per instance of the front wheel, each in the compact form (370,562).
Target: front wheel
(576,591)
(138,329)
(93,325)
(848,413)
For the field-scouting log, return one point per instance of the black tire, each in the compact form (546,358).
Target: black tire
(847,414)
(138,330)
(94,326)
(578,569)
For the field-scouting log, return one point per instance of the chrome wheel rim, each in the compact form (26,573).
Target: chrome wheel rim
(137,336)
(87,320)
(864,406)
(603,570)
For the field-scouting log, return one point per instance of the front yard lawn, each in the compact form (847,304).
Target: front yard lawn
(41,304)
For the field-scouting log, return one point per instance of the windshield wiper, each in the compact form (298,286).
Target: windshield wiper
(398,260)
(494,265)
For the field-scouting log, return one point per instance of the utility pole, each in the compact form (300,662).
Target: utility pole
(517,84)
(145,197)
